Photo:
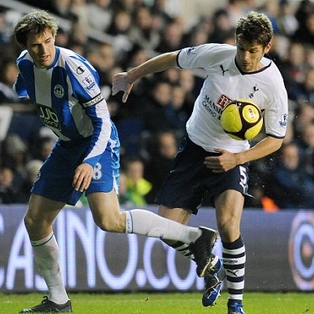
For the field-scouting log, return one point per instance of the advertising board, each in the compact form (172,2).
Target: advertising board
(280,254)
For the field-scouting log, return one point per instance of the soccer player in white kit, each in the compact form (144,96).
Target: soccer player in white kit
(209,161)
(65,89)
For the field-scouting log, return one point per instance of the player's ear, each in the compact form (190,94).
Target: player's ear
(267,48)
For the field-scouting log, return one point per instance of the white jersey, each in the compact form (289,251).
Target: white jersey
(226,82)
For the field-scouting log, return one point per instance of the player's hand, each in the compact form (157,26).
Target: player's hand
(221,163)
(82,177)
(120,82)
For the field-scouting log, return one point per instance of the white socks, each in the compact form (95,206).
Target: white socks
(138,221)
(147,223)
(46,254)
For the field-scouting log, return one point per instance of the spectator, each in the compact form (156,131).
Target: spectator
(191,85)
(3,34)
(172,37)
(128,5)
(43,147)
(136,186)
(303,116)
(107,61)
(162,149)
(62,38)
(307,156)
(171,76)
(305,90)
(142,32)
(31,172)
(61,8)
(294,67)
(154,110)
(101,56)
(124,195)
(197,36)
(99,14)
(222,27)
(287,21)
(272,10)
(236,9)
(8,193)
(8,74)
(80,11)
(290,186)
(120,24)
(305,32)
(120,28)
(15,154)
(175,112)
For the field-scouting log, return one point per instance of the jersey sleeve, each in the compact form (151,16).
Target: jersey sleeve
(84,79)
(19,87)
(276,114)
(85,84)
(203,56)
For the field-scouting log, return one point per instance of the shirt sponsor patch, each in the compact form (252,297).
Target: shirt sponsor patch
(89,82)
(48,116)
(283,121)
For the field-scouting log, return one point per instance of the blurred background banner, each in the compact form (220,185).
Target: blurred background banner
(280,254)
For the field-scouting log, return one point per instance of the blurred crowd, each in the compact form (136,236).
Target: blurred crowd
(152,122)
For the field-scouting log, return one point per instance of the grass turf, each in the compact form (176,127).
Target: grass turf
(164,303)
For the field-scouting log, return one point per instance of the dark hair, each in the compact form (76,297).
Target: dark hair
(34,22)
(255,27)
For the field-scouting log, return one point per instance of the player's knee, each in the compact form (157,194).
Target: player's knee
(114,223)
(228,232)
(36,226)
(30,222)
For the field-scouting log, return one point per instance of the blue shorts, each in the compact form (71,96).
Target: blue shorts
(55,177)
(189,180)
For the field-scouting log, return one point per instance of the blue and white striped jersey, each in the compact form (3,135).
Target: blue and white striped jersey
(68,99)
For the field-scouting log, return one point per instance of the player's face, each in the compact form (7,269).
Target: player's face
(249,55)
(41,47)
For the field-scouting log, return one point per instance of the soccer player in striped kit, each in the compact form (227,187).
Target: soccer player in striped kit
(64,87)
(209,161)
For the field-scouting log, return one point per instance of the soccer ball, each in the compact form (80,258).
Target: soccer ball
(242,119)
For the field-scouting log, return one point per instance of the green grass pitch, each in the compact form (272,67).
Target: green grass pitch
(164,303)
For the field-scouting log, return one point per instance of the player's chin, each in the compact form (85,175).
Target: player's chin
(246,68)
(44,63)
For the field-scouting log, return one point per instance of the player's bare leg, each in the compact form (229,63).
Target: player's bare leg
(38,221)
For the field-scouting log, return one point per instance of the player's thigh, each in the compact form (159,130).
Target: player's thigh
(106,211)
(229,208)
(177,214)
(40,215)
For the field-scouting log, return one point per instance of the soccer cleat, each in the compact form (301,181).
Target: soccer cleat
(235,308)
(202,249)
(213,282)
(47,306)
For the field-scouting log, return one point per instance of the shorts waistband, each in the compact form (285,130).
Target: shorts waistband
(191,145)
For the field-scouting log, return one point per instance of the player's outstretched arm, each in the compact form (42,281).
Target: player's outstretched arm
(120,82)
(124,81)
